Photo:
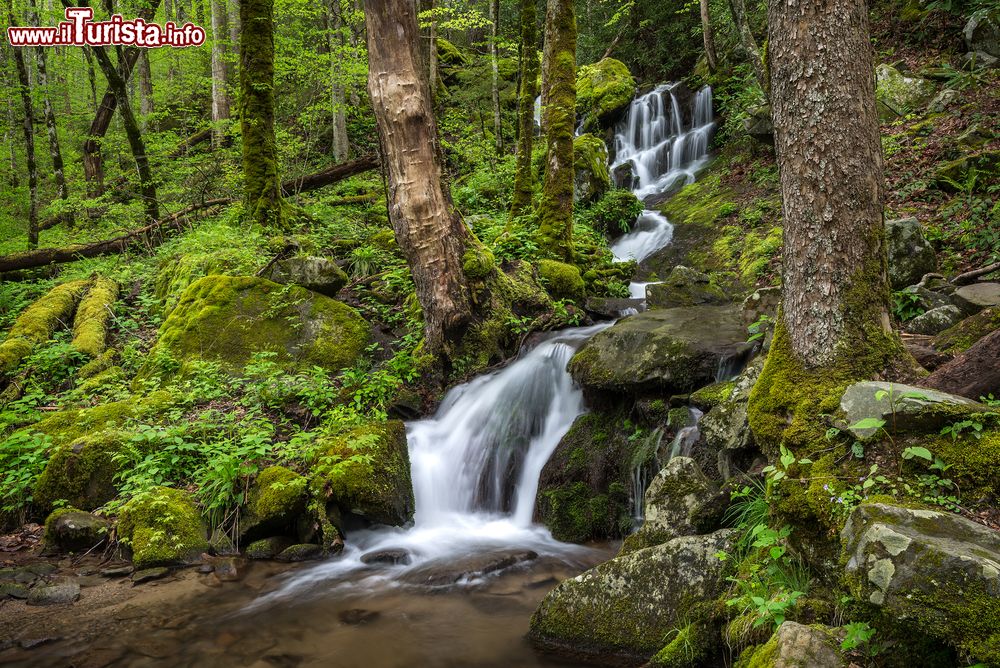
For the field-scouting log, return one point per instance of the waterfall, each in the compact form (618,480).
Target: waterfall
(685,438)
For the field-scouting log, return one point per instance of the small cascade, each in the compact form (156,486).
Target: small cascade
(732,365)
(686,437)
(538,112)
(645,466)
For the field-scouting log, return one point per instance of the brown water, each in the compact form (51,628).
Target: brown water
(372,622)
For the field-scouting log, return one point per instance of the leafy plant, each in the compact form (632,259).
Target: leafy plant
(906,305)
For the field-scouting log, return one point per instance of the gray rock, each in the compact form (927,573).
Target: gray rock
(898,94)
(904,408)
(228,568)
(389,556)
(801,645)
(928,299)
(758,124)
(268,548)
(13,590)
(149,574)
(978,296)
(318,274)
(624,608)
(116,571)
(936,571)
(623,176)
(606,307)
(760,302)
(675,497)
(301,552)
(979,59)
(935,321)
(943,100)
(445,572)
(982,33)
(671,350)
(725,429)
(57,593)
(910,254)
(684,287)
(74,531)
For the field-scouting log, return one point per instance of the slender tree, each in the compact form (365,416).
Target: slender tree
(55,153)
(29,140)
(524,177)
(145,85)
(708,36)
(220,92)
(426,226)
(336,43)
(494,65)
(748,43)
(559,116)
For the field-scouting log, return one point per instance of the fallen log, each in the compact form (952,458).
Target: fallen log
(970,276)
(331,174)
(973,374)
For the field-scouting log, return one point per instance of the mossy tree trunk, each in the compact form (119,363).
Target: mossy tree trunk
(748,43)
(29,141)
(559,111)
(708,37)
(431,235)
(262,184)
(524,178)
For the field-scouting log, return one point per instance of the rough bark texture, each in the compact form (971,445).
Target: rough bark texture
(29,143)
(973,374)
(524,178)
(145,85)
(262,188)
(426,226)
(339,143)
(494,35)
(830,159)
(220,93)
(738,9)
(555,211)
(707,37)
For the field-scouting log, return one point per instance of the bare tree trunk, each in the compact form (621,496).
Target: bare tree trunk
(524,177)
(426,226)
(830,159)
(14,180)
(145,85)
(220,94)
(494,36)
(708,37)
(29,142)
(91,76)
(555,211)
(749,44)
(49,114)
(339,145)
(233,7)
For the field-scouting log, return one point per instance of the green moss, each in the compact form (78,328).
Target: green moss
(90,328)
(81,472)
(575,514)
(759,656)
(229,318)
(712,395)
(975,463)
(563,281)
(478,261)
(97,366)
(66,426)
(603,91)
(37,324)
(277,495)
(448,54)
(965,334)
(524,177)
(615,212)
(162,527)
(689,647)
(590,162)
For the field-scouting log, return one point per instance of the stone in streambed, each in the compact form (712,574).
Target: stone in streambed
(388,556)
(57,593)
(300,552)
(150,574)
(268,548)
(444,572)
(71,530)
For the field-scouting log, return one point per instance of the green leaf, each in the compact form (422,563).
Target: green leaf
(868,423)
(923,453)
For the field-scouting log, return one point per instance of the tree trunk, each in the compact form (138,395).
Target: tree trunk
(707,37)
(11,123)
(494,36)
(145,85)
(62,192)
(262,188)
(29,142)
(339,145)
(559,113)
(524,178)
(233,8)
(830,160)
(973,374)
(220,95)
(738,9)
(92,77)
(431,235)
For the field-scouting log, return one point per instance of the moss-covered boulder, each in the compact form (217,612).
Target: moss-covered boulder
(90,327)
(365,471)
(625,608)
(898,94)
(935,320)
(935,572)
(962,336)
(162,527)
(616,212)
(226,319)
(910,254)
(795,644)
(590,164)
(36,325)
(72,530)
(82,472)
(953,176)
(276,499)
(318,274)
(903,408)
(672,351)
(561,280)
(684,287)
(603,92)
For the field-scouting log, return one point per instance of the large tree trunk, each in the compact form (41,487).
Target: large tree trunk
(426,226)
(262,187)
(524,177)
(29,142)
(559,119)
(494,36)
(973,374)
(707,37)
(220,94)
(738,9)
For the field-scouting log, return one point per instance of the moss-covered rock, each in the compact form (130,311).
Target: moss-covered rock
(712,395)
(318,274)
(615,213)
(974,459)
(563,281)
(37,324)
(953,176)
(691,646)
(81,472)
(903,408)
(910,254)
(275,501)
(964,335)
(72,530)
(365,471)
(603,92)
(795,644)
(684,287)
(90,328)
(590,164)
(227,319)
(898,94)
(162,527)
(66,426)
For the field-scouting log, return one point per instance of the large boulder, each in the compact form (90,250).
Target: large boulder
(684,287)
(975,171)
(82,473)
(982,33)
(935,320)
(903,408)
(796,645)
(318,274)
(898,94)
(936,572)
(72,530)
(162,527)
(624,608)
(910,254)
(978,296)
(603,92)
(671,351)
(275,501)
(758,124)
(590,163)
(561,280)
(227,319)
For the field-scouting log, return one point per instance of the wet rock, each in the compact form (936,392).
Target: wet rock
(440,573)
(162,527)
(678,492)
(684,287)
(903,408)
(390,556)
(268,548)
(57,593)
(71,530)
(32,643)
(623,609)
(935,321)
(591,177)
(671,351)
(356,616)
(318,274)
(978,296)
(149,574)
(910,254)
(898,94)
(13,590)
(116,571)
(605,307)
(301,552)
(229,569)
(727,444)
(275,500)
(937,572)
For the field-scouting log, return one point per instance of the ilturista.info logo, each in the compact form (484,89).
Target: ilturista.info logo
(79,29)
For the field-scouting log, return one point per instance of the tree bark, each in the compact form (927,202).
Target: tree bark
(145,85)
(707,37)
(426,226)
(29,141)
(973,374)
(91,76)
(494,36)
(11,123)
(830,160)
(62,192)
(738,9)
(524,176)
(339,144)
(559,119)
(220,95)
